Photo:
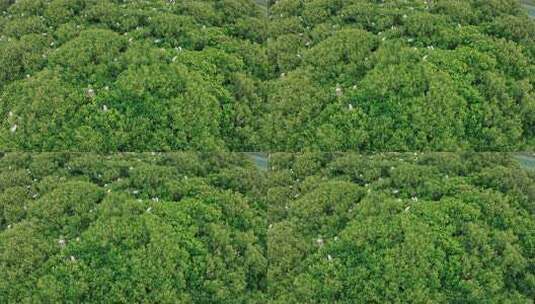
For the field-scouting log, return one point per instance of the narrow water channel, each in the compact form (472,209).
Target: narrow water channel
(260,159)
(530,5)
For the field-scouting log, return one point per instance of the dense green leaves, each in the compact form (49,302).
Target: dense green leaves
(130,76)
(309,75)
(315,228)
(131,228)
(445,228)
(401,75)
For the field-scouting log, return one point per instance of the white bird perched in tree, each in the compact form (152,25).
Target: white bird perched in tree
(149,209)
(339,91)
(105,108)
(407,209)
(13,128)
(90,93)
(329,257)
(350,107)
(73,259)
(319,241)
(61,242)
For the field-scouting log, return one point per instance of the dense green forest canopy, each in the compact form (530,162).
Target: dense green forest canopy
(401,75)
(314,228)
(132,228)
(130,75)
(401,228)
(367,75)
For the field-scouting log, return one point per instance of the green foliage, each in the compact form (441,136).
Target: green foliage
(44,111)
(315,228)
(308,75)
(131,228)
(400,75)
(100,75)
(395,227)
(89,58)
